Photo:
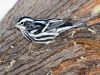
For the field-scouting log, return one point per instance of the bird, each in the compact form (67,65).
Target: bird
(44,31)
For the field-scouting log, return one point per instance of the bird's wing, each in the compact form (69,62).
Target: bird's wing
(55,25)
(48,24)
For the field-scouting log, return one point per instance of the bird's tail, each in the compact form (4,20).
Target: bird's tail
(79,24)
(74,25)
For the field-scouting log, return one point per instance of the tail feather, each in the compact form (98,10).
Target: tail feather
(79,24)
(74,25)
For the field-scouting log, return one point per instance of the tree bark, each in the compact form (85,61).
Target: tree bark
(69,54)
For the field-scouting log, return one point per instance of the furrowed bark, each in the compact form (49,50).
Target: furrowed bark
(68,55)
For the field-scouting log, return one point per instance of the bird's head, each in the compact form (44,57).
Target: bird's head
(23,22)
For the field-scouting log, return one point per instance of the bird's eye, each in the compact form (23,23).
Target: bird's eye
(22,23)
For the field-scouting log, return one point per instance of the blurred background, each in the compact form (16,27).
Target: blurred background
(5,5)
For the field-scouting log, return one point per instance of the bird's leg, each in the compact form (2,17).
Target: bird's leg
(48,44)
(44,46)
(42,51)
(38,52)
(30,47)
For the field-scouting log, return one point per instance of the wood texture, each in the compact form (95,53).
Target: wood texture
(77,55)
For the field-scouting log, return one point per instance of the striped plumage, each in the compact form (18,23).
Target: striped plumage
(43,30)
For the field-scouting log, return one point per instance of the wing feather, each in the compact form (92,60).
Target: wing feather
(48,24)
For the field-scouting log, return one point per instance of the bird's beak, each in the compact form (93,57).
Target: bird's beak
(15,26)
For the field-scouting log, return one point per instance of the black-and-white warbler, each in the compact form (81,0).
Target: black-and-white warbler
(43,30)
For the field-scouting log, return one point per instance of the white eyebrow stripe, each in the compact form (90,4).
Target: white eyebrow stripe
(26,19)
(43,22)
